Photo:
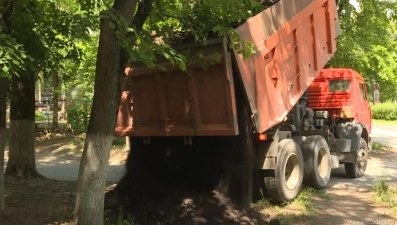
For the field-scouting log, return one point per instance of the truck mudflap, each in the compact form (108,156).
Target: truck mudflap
(293,41)
(340,145)
(354,131)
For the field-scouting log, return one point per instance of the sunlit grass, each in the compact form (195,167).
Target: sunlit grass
(384,193)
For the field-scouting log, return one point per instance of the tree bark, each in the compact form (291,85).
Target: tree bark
(107,91)
(21,161)
(55,94)
(63,98)
(3,108)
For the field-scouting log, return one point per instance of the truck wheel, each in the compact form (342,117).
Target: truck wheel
(285,184)
(317,158)
(357,169)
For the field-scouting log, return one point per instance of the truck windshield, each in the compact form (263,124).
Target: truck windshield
(339,85)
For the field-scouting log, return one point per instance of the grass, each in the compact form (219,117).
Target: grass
(376,146)
(384,193)
(261,204)
(304,201)
(301,207)
(118,218)
(77,144)
(118,142)
(384,122)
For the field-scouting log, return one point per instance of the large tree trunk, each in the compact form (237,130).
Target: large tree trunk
(3,108)
(38,91)
(63,99)
(21,161)
(55,94)
(109,71)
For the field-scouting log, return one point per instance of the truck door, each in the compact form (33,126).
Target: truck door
(364,108)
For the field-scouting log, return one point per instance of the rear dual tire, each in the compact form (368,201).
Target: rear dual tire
(286,182)
(357,169)
(317,160)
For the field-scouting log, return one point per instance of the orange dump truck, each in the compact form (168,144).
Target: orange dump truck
(239,125)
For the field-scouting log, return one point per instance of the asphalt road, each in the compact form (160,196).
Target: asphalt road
(385,134)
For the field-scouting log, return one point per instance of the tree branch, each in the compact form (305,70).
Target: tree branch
(144,10)
(6,15)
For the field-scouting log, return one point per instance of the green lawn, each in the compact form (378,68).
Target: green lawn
(384,122)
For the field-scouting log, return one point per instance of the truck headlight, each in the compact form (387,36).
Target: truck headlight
(347,112)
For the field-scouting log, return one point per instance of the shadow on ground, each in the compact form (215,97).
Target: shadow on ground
(345,200)
(180,205)
(38,202)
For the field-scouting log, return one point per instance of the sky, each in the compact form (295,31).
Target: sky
(354,3)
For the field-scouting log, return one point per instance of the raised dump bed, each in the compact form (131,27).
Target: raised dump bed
(293,42)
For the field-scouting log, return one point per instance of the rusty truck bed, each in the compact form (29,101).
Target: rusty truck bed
(293,40)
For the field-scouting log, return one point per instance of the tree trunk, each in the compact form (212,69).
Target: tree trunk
(63,97)
(107,91)
(21,161)
(3,108)
(55,94)
(38,91)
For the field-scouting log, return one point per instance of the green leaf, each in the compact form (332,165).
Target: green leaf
(112,25)
(5,69)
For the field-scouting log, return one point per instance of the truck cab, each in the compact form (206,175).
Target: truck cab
(339,100)
(342,94)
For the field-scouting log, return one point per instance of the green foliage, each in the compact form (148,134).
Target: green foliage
(118,142)
(40,116)
(171,22)
(78,116)
(384,111)
(376,146)
(42,36)
(79,78)
(12,56)
(368,41)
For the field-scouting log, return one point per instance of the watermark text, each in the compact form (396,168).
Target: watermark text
(374,222)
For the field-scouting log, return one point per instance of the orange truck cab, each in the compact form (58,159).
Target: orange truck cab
(339,100)
(341,96)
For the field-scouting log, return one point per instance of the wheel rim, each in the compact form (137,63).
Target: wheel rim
(292,171)
(361,158)
(322,163)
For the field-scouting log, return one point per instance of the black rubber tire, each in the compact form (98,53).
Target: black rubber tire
(357,169)
(277,187)
(317,158)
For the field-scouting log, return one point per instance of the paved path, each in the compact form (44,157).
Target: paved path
(68,169)
(385,134)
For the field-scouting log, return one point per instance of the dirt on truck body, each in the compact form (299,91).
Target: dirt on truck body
(238,126)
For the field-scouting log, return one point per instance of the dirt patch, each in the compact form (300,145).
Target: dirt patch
(350,206)
(193,208)
(344,201)
(179,204)
(46,201)
(38,202)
